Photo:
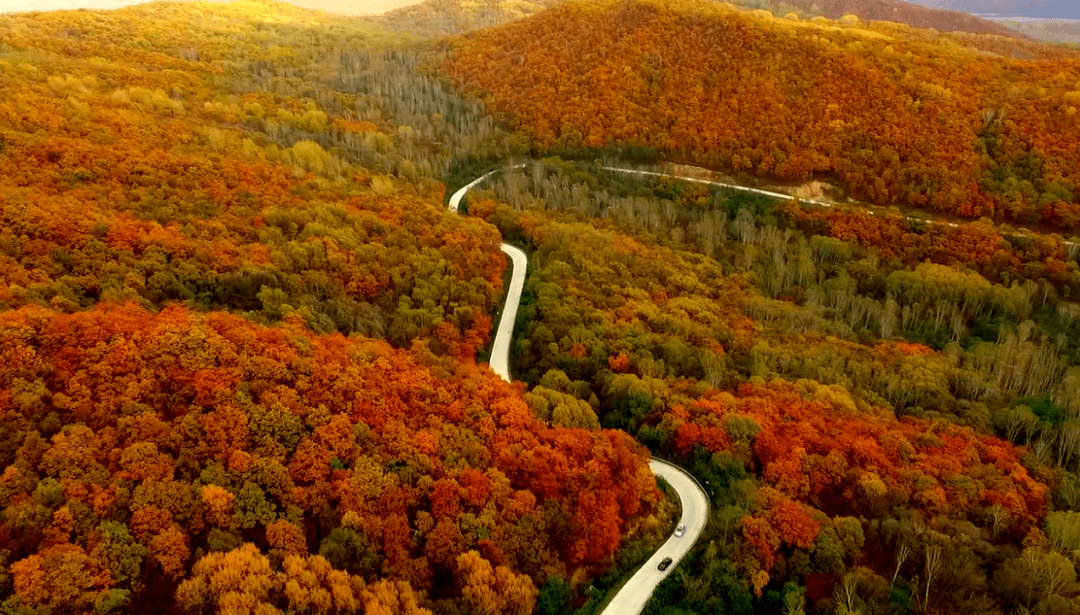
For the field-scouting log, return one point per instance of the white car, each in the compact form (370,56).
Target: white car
(679,531)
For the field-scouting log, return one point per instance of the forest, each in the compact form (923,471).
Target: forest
(896,115)
(856,412)
(244,339)
(212,232)
(201,451)
(434,18)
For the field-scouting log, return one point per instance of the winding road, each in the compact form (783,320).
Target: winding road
(500,348)
(633,596)
(631,599)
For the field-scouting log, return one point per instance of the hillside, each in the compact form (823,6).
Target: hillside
(903,12)
(244,337)
(147,454)
(896,115)
(193,182)
(216,219)
(845,409)
(439,17)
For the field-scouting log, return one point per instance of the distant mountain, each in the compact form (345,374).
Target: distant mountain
(896,114)
(340,7)
(1044,9)
(439,17)
(1048,30)
(903,12)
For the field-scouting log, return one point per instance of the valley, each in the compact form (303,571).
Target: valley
(464,309)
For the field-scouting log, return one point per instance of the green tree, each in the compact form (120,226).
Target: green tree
(554,597)
(349,550)
(122,553)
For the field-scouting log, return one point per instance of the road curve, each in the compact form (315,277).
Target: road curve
(500,348)
(633,596)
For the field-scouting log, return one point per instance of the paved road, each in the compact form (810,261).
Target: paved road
(710,182)
(632,597)
(929,220)
(635,594)
(500,348)
(695,512)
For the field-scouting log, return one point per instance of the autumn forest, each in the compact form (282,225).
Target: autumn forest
(245,344)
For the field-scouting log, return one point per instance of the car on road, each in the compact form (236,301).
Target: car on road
(679,531)
(665,563)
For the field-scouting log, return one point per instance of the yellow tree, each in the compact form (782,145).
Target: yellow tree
(60,579)
(489,590)
(239,581)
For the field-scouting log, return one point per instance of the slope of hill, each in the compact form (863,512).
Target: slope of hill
(898,115)
(141,451)
(442,17)
(784,368)
(439,17)
(903,12)
(198,203)
(196,183)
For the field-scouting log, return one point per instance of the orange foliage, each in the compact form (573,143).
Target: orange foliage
(61,578)
(793,524)
(893,113)
(297,436)
(813,450)
(975,245)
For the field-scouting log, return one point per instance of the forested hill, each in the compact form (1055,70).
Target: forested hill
(242,338)
(442,17)
(239,333)
(224,156)
(905,13)
(897,115)
(439,17)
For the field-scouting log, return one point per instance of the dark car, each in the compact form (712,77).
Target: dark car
(665,563)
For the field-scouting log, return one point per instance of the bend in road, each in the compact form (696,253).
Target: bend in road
(500,347)
(631,599)
(633,596)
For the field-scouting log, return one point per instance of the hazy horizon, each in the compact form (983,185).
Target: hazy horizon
(1029,9)
(1032,9)
(353,7)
